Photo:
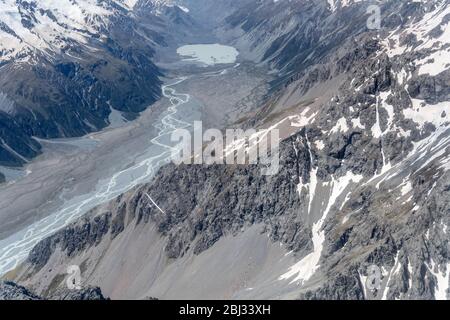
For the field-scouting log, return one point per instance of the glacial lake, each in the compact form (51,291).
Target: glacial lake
(208,54)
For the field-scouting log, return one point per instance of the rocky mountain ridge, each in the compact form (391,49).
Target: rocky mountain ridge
(363,180)
(11,291)
(73,64)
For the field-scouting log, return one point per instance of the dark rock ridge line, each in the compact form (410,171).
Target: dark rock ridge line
(395,217)
(11,291)
(204,203)
(70,92)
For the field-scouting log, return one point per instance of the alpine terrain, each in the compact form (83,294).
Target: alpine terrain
(91,92)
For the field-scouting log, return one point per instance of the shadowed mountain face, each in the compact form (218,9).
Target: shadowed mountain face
(363,180)
(11,291)
(61,75)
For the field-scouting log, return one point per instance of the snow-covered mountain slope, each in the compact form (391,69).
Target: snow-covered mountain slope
(64,64)
(159,6)
(11,291)
(364,173)
(48,26)
(292,35)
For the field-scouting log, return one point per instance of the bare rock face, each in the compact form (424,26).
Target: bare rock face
(68,78)
(363,182)
(203,204)
(12,291)
(83,294)
(75,239)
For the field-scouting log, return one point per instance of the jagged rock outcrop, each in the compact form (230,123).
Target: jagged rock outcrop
(66,82)
(363,180)
(83,294)
(11,291)
(203,204)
